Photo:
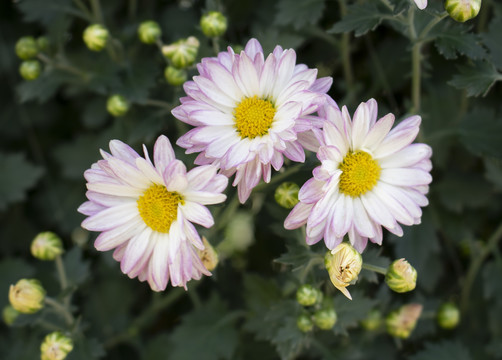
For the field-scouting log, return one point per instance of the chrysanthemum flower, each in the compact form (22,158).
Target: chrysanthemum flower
(249,112)
(145,212)
(370,176)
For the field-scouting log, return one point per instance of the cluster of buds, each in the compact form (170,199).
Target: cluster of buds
(401,322)
(56,346)
(286,194)
(27,48)
(46,246)
(319,313)
(401,276)
(95,37)
(213,24)
(27,296)
(182,53)
(117,105)
(208,256)
(344,265)
(462,10)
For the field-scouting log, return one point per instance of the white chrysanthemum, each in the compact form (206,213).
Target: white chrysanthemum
(249,112)
(370,176)
(145,212)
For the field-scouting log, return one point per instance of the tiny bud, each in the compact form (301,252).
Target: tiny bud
(286,194)
(46,246)
(26,48)
(304,323)
(325,318)
(175,76)
(183,52)
(401,322)
(56,346)
(448,316)
(42,43)
(307,295)
(27,296)
(117,105)
(213,24)
(372,321)
(462,10)
(30,69)
(95,37)
(401,276)
(9,314)
(344,265)
(149,32)
(208,256)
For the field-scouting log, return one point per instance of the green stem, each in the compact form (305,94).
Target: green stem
(416,76)
(375,268)
(224,217)
(60,308)
(216,45)
(132,9)
(345,49)
(96,10)
(157,103)
(317,259)
(61,273)
(82,7)
(62,66)
(279,177)
(431,25)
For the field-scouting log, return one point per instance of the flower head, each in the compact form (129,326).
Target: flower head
(56,346)
(145,210)
(370,176)
(249,112)
(27,296)
(344,265)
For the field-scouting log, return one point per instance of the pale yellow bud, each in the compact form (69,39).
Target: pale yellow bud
(208,256)
(55,346)
(462,10)
(344,265)
(46,246)
(95,37)
(401,322)
(27,296)
(401,276)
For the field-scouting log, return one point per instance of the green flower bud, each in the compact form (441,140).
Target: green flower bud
(304,323)
(307,295)
(401,276)
(286,194)
(46,246)
(30,69)
(325,318)
(9,314)
(117,105)
(344,265)
(149,32)
(42,43)
(213,24)
(448,316)
(95,37)
(462,10)
(56,346)
(27,296)
(175,76)
(183,52)
(208,256)
(372,321)
(401,322)
(26,48)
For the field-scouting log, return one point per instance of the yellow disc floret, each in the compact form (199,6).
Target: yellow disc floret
(254,117)
(360,173)
(159,208)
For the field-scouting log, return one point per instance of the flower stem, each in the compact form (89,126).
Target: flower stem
(62,66)
(96,10)
(61,272)
(279,177)
(375,268)
(157,103)
(216,45)
(345,49)
(62,309)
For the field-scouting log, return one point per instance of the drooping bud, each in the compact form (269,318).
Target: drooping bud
(325,318)
(149,32)
(27,296)
(117,105)
(46,246)
(401,322)
(42,43)
(372,321)
(307,295)
(56,346)
(95,37)
(343,264)
(448,316)
(26,48)
(304,323)
(462,10)
(401,276)
(182,53)
(9,314)
(213,24)
(175,76)
(286,194)
(30,69)
(208,256)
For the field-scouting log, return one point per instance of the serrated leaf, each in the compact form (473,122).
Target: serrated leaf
(351,312)
(446,350)
(480,133)
(45,11)
(299,13)
(492,40)
(44,87)
(77,269)
(18,176)
(360,18)
(477,79)
(454,41)
(297,256)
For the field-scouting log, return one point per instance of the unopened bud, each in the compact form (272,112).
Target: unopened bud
(213,24)
(401,322)
(46,246)
(175,76)
(372,321)
(208,256)
(325,318)
(286,194)
(30,69)
(56,346)
(149,32)
(95,37)
(401,276)
(462,10)
(27,296)
(304,323)
(343,264)
(117,105)
(448,316)
(42,43)
(9,314)
(183,52)
(26,48)
(307,295)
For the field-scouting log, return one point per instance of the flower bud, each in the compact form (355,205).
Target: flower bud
(372,321)
(401,276)
(401,322)
(117,105)
(175,76)
(9,314)
(304,323)
(182,53)
(286,194)
(46,246)
(149,32)
(325,318)
(462,10)
(27,296)
(56,346)
(208,256)
(42,43)
(95,37)
(448,316)
(213,24)
(30,69)
(343,264)
(307,295)
(26,48)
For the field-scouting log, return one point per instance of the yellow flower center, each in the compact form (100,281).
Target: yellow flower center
(253,117)
(360,173)
(159,208)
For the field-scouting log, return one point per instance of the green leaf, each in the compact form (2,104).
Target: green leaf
(77,269)
(351,312)
(47,11)
(492,273)
(299,13)
(86,349)
(18,176)
(480,132)
(493,172)
(477,79)
(446,350)
(360,18)
(454,41)
(44,87)
(492,41)
(297,256)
